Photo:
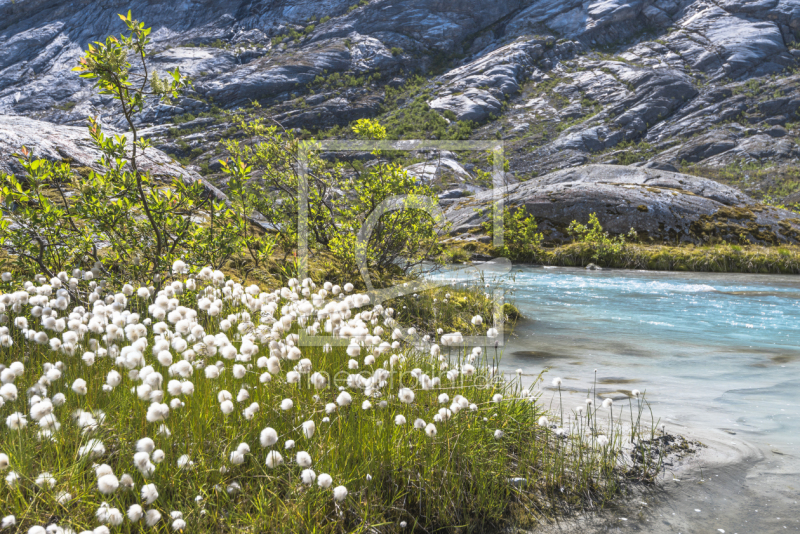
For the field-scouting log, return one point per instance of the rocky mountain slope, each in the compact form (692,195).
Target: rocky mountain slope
(705,87)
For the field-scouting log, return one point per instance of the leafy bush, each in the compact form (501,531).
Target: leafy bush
(521,241)
(401,238)
(605,247)
(120,220)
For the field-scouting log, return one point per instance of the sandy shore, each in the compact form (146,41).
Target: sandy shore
(731,485)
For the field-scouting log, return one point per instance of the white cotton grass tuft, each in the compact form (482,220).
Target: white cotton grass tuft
(324,481)
(543,422)
(8,522)
(607,403)
(602,441)
(557,382)
(344,399)
(149,493)
(107,484)
(135,513)
(339,493)
(303,459)
(274,459)
(79,386)
(4,461)
(152,517)
(405,395)
(145,445)
(309,428)
(269,437)
(307,476)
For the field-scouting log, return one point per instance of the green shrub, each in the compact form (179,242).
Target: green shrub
(521,241)
(119,220)
(605,248)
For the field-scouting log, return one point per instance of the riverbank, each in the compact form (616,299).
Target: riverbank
(721,258)
(711,490)
(719,358)
(198,407)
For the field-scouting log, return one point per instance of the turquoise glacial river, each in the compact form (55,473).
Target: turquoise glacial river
(719,358)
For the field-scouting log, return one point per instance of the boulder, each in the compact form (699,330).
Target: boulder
(73,144)
(661,206)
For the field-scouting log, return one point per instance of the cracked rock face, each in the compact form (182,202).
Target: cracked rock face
(661,206)
(68,143)
(700,86)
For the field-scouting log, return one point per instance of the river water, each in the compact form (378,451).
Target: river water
(719,358)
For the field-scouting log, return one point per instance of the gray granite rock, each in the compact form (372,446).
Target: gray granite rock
(659,205)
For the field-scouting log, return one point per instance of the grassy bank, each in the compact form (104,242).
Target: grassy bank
(195,408)
(711,258)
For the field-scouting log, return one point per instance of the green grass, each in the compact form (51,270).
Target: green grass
(721,258)
(763,180)
(461,476)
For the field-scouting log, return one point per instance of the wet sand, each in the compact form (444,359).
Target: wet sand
(730,486)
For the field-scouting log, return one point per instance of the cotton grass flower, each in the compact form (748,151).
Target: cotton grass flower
(602,441)
(152,517)
(8,521)
(135,513)
(79,386)
(430,430)
(11,479)
(274,459)
(399,420)
(344,399)
(145,445)
(339,493)
(303,459)
(309,428)
(307,476)
(543,422)
(114,517)
(269,437)
(16,421)
(607,403)
(324,481)
(45,479)
(149,493)
(405,395)
(107,484)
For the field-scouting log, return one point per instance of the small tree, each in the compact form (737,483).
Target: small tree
(389,219)
(521,241)
(340,201)
(120,219)
(605,247)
